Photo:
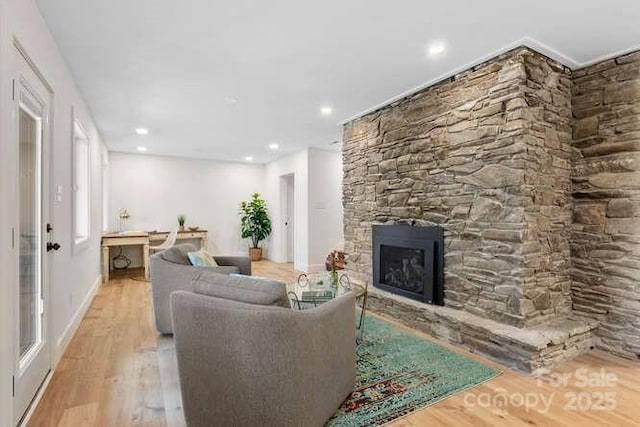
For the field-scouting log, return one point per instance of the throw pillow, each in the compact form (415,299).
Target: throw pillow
(202,258)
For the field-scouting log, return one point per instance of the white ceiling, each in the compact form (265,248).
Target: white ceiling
(222,80)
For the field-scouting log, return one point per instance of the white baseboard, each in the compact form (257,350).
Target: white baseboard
(315,268)
(73,325)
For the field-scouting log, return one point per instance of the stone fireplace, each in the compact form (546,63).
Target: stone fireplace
(489,157)
(408,261)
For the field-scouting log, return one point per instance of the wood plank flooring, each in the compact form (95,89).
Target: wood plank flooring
(118,371)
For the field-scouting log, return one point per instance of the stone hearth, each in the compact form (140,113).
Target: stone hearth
(533,350)
(495,156)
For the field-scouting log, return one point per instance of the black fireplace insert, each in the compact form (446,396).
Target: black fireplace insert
(408,261)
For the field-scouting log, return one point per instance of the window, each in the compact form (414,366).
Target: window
(105,189)
(81,187)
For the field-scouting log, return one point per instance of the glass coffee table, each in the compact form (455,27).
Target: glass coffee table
(311,290)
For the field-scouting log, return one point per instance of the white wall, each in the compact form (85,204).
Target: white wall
(74,276)
(156,189)
(296,164)
(318,206)
(325,205)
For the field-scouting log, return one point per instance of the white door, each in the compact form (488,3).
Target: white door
(32,150)
(287,208)
(290,218)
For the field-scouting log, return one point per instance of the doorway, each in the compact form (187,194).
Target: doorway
(30,287)
(287,197)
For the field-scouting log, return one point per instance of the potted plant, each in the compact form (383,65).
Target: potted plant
(181,220)
(255,224)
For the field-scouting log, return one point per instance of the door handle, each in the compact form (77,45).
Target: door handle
(51,246)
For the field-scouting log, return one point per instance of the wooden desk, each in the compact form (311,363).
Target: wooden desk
(201,235)
(142,238)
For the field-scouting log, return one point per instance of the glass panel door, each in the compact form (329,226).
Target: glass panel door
(30,228)
(30,155)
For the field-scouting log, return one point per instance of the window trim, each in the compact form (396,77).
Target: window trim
(104,176)
(79,244)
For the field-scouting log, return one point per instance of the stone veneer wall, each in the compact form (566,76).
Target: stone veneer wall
(547,187)
(606,191)
(486,155)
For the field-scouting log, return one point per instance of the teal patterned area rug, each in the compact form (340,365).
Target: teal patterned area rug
(398,373)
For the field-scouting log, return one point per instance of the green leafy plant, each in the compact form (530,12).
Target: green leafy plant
(254,220)
(181,220)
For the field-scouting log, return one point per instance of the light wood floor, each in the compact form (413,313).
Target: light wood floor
(118,371)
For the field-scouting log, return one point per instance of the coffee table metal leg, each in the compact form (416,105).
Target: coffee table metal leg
(293,296)
(363,312)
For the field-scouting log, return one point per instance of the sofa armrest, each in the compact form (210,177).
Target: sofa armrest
(242,262)
(167,277)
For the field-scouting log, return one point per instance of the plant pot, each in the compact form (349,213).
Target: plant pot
(255,254)
(181,228)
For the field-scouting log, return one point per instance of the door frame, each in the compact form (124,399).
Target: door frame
(287,217)
(6,252)
(291,218)
(17,50)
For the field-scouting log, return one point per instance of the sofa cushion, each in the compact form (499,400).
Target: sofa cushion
(177,254)
(202,258)
(224,269)
(241,288)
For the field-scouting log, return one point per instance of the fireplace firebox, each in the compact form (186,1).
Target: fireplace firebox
(408,261)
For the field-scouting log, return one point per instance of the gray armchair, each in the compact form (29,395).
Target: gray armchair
(171,271)
(245,364)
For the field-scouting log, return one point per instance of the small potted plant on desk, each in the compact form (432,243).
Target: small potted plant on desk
(181,220)
(255,224)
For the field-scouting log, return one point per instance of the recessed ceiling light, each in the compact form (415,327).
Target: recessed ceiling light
(141,148)
(249,158)
(437,49)
(273,146)
(142,131)
(326,111)
(230,100)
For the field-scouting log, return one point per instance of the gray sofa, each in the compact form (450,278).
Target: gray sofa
(246,359)
(171,271)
